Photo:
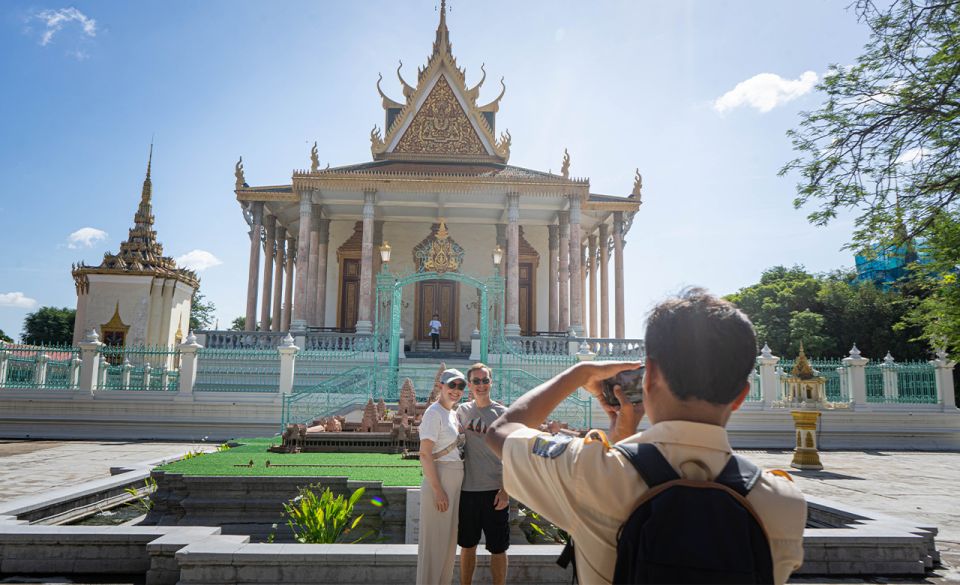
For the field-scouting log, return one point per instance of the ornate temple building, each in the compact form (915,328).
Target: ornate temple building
(439,195)
(137,296)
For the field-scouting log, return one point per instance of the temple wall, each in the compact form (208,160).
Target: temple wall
(478,242)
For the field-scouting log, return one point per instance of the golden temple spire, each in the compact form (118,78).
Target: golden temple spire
(443,34)
(802,368)
(144,215)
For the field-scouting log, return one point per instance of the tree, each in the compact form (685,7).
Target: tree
(5,337)
(886,144)
(49,326)
(238,324)
(201,312)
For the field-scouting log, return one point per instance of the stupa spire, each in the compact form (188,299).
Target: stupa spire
(144,215)
(442,44)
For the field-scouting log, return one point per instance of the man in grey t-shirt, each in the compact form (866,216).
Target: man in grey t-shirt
(484,504)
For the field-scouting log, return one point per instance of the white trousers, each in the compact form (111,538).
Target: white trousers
(437,547)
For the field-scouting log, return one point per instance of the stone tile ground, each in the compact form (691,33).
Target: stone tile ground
(917,486)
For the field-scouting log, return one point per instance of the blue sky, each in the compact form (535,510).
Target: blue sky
(696,94)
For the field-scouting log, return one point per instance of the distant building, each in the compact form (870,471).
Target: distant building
(137,296)
(886,265)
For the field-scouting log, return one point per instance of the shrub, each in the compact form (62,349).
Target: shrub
(323,519)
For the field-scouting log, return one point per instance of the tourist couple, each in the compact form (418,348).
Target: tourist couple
(461,495)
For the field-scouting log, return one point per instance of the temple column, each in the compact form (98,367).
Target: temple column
(576,282)
(554,294)
(512,326)
(618,272)
(592,255)
(311,293)
(287,314)
(564,274)
(281,237)
(583,287)
(300,304)
(377,263)
(604,281)
(364,325)
(253,277)
(270,227)
(321,278)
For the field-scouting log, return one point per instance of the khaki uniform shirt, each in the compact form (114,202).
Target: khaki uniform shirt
(589,489)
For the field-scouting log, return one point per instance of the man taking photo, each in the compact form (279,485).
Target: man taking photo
(484,504)
(700,351)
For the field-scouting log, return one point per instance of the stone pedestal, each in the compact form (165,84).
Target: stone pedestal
(805,455)
(188,365)
(288,352)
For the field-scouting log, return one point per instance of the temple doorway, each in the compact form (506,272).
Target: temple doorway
(440,297)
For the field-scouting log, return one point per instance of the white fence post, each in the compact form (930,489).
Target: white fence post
(857,377)
(40,371)
(4,358)
(891,390)
(288,356)
(90,378)
(74,381)
(125,370)
(944,379)
(188,364)
(769,379)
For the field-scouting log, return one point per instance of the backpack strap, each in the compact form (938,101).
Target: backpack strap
(739,474)
(649,463)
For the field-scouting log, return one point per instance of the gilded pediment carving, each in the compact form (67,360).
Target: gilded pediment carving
(440,126)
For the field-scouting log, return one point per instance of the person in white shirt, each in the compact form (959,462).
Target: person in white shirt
(440,439)
(435,326)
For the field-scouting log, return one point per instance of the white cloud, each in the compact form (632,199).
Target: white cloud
(198,260)
(55,20)
(914,155)
(18,300)
(85,237)
(765,91)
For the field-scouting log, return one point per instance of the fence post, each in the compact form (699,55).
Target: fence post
(188,364)
(573,346)
(102,371)
(891,390)
(125,370)
(40,371)
(288,356)
(4,358)
(147,369)
(474,345)
(74,381)
(944,379)
(769,379)
(90,362)
(857,377)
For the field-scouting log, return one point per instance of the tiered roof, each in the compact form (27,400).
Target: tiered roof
(140,253)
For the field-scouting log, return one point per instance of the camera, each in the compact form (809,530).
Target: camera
(631,381)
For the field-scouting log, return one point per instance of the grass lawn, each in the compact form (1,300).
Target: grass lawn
(390,469)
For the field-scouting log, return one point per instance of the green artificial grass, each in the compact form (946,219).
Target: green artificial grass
(390,469)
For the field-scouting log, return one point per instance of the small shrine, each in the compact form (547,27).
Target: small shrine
(804,385)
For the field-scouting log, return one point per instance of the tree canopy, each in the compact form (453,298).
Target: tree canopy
(5,337)
(885,144)
(828,314)
(202,312)
(49,326)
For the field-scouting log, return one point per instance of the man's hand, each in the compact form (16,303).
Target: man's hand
(596,372)
(624,418)
(502,500)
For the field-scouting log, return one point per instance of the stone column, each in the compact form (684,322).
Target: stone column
(592,255)
(90,367)
(563,292)
(253,277)
(944,379)
(321,279)
(364,325)
(576,281)
(769,380)
(583,287)
(281,238)
(270,225)
(311,294)
(857,381)
(512,326)
(604,281)
(300,304)
(287,315)
(553,232)
(377,263)
(618,273)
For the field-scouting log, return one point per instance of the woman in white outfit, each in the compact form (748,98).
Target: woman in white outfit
(440,488)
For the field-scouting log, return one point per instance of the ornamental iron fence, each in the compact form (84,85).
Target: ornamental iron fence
(50,367)
(139,368)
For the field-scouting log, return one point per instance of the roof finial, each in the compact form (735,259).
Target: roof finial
(241,182)
(637,184)
(150,158)
(565,167)
(442,44)
(314,159)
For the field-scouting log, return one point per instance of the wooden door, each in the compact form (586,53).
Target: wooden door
(527,313)
(441,297)
(349,294)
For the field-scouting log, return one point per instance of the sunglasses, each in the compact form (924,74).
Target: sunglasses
(481,380)
(456,385)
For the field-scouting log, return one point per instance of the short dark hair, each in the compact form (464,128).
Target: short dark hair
(704,346)
(479,366)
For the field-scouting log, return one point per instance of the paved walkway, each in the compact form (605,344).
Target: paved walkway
(917,486)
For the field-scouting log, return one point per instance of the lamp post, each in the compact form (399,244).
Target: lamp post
(497,258)
(385,251)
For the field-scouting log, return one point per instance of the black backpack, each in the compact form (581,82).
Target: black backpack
(686,531)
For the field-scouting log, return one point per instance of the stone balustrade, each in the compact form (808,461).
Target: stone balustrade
(241,339)
(335,341)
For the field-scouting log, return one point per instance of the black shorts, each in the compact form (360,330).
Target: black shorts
(477,514)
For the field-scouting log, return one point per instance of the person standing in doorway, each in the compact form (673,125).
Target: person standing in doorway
(484,504)
(435,326)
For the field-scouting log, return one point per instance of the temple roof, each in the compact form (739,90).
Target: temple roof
(140,253)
